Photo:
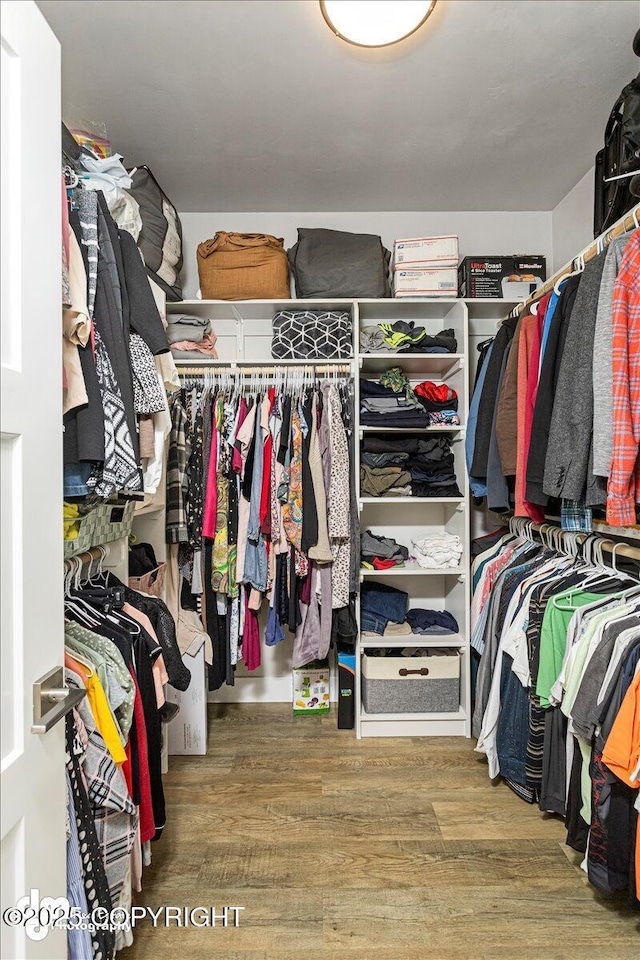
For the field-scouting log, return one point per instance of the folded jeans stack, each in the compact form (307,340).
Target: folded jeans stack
(438,550)
(191,337)
(407,466)
(381,553)
(403,337)
(440,402)
(384,613)
(381,604)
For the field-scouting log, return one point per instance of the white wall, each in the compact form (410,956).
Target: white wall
(572,221)
(480,233)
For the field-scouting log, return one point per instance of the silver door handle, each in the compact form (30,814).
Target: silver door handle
(52,700)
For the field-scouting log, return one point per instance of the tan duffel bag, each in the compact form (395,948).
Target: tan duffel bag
(243,266)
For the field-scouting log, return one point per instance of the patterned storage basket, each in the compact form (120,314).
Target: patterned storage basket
(113,521)
(84,541)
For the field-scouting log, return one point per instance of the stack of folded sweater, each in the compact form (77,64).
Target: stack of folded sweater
(403,337)
(407,466)
(440,402)
(438,550)
(431,622)
(191,337)
(381,553)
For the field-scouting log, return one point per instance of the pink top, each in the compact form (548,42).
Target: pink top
(211,493)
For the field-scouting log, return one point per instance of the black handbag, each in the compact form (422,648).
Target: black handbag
(312,335)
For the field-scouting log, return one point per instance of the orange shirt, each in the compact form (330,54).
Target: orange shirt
(622,750)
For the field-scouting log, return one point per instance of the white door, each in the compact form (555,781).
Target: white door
(32,766)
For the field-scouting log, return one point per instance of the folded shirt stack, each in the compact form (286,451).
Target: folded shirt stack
(431,622)
(191,337)
(381,553)
(440,402)
(403,337)
(390,402)
(438,550)
(409,466)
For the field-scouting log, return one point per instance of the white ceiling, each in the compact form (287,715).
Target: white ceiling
(254,105)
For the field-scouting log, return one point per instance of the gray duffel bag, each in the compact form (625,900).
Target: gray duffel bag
(333,263)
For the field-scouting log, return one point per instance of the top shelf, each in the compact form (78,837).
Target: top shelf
(369,309)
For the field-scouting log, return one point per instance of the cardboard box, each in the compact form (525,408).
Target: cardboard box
(435,282)
(346,690)
(511,278)
(187,732)
(417,252)
(311,693)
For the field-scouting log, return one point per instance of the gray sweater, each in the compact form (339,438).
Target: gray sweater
(570,435)
(602,361)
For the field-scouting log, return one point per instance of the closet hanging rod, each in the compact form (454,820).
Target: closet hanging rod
(630,221)
(87,558)
(609,541)
(271,370)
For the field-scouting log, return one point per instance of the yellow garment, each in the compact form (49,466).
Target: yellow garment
(71,523)
(99,708)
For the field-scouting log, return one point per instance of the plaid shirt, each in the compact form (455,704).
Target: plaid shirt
(624,479)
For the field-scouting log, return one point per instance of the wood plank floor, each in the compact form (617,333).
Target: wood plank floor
(364,850)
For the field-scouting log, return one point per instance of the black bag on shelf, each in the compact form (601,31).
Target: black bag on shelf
(335,263)
(620,155)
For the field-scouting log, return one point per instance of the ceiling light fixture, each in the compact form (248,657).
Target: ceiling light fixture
(375,23)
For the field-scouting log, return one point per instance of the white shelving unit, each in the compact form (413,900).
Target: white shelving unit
(244,331)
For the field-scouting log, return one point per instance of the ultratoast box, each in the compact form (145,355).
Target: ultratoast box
(514,277)
(346,690)
(419,252)
(437,282)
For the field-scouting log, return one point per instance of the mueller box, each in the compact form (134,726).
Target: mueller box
(419,252)
(512,278)
(436,282)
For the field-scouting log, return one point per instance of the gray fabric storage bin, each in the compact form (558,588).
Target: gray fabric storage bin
(411,684)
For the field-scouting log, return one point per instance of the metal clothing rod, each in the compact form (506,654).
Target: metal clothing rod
(630,221)
(272,370)
(610,543)
(86,559)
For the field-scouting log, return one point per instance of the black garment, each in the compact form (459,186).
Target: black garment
(488,398)
(285,431)
(434,447)
(108,223)
(415,419)
(143,312)
(577,827)
(546,392)
(419,489)
(215,624)
(554,763)
(106,316)
(83,438)
(165,629)
(483,350)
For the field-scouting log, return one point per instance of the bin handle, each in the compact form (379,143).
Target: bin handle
(422,672)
